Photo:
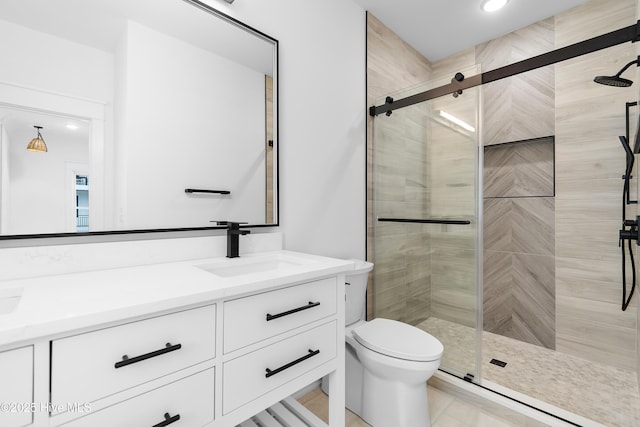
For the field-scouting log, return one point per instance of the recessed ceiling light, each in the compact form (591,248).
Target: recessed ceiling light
(71,126)
(493,5)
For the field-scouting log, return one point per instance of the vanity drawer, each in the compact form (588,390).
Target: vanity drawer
(191,398)
(247,377)
(16,387)
(248,320)
(87,367)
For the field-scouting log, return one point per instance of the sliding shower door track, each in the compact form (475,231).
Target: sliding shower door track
(533,410)
(459,83)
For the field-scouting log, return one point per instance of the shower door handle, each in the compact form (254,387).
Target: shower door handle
(428,221)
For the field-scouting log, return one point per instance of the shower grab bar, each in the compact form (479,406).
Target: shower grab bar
(427,221)
(627,172)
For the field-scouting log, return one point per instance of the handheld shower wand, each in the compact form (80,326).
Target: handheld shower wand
(627,234)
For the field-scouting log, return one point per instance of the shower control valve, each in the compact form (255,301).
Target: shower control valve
(632,233)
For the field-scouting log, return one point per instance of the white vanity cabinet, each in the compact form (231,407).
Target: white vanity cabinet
(16,387)
(210,351)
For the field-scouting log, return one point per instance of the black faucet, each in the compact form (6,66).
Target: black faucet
(233,239)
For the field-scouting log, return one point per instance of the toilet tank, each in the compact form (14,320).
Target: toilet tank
(356,291)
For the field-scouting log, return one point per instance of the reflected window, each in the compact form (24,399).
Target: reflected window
(82,203)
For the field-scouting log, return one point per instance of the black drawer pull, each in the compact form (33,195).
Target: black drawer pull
(128,361)
(168,419)
(295,310)
(290,364)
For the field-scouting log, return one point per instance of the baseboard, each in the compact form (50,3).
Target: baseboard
(298,394)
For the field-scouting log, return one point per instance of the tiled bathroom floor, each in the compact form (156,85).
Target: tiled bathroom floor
(598,392)
(445,410)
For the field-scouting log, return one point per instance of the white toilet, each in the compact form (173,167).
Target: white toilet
(387,362)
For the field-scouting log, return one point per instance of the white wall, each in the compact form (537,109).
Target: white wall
(322,110)
(216,147)
(54,64)
(39,200)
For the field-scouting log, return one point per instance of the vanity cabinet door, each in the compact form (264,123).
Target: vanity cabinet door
(186,402)
(87,367)
(257,317)
(257,373)
(16,387)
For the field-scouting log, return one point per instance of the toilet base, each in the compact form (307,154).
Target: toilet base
(391,392)
(389,403)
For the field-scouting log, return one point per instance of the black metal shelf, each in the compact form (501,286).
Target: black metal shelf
(195,190)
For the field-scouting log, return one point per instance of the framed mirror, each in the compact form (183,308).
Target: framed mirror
(157,115)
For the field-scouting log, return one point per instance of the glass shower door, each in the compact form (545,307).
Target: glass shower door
(426,218)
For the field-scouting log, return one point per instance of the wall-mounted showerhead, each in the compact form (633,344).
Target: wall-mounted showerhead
(616,80)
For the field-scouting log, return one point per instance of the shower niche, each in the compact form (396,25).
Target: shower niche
(519,240)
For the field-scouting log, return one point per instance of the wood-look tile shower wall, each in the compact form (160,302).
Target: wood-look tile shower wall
(402,266)
(586,119)
(519,241)
(637,192)
(519,206)
(589,163)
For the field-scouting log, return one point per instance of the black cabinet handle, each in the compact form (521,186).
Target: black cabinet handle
(290,364)
(168,419)
(126,360)
(295,310)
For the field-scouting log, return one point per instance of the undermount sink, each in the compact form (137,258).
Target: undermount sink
(9,299)
(240,267)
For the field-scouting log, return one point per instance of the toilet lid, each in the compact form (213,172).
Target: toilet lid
(397,339)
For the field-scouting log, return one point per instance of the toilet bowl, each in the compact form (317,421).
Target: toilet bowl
(396,361)
(387,362)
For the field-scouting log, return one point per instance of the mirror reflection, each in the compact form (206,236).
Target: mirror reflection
(156,114)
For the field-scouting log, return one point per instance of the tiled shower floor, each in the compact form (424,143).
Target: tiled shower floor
(601,393)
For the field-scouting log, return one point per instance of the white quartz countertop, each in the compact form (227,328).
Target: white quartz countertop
(52,305)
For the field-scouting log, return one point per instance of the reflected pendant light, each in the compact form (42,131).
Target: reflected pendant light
(37,144)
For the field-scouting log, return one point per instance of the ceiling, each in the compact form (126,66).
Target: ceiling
(440,28)
(101,23)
